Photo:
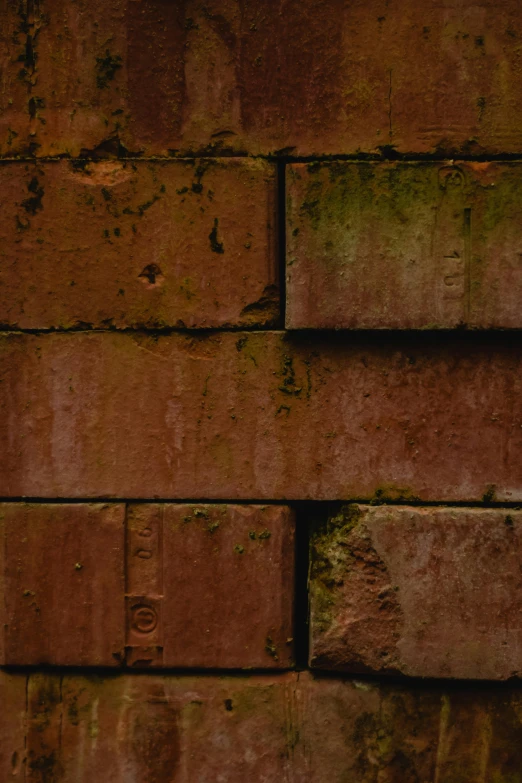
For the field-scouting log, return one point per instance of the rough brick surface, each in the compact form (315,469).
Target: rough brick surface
(428,592)
(260,415)
(178,243)
(292,728)
(145,76)
(404,245)
(63,574)
(210,586)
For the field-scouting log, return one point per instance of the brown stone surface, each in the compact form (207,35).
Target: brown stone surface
(260,415)
(63,584)
(427,592)
(210,586)
(156,244)
(152,77)
(404,245)
(289,727)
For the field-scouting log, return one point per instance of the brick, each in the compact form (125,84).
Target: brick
(403,245)
(445,603)
(149,77)
(290,727)
(228,416)
(63,584)
(155,244)
(12,725)
(206,586)
(210,586)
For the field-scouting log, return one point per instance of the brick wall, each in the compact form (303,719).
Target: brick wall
(260,391)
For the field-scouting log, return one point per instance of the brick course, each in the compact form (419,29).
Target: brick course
(289,727)
(260,415)
(145,78)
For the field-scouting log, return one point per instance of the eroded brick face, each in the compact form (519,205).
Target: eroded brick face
(428,592)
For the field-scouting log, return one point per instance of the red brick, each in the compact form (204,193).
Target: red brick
(64,584)
(404,245)
(206,586)
(156,244)
(288,727)
(210,586)
(444,602)
(145,76)
(12,725)
(260,415)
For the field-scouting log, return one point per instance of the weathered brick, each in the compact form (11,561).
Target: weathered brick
(427,592)
(157,244)
(230,415)
(404,245)
(287,727)
(362,732)
(63,584)
(210,586)
(147,728)
(145,76)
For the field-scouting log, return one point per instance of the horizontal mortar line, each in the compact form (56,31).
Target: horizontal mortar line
(158,671)
(357,157)
(299,504)
(470,333)
(379,680)
(188,330)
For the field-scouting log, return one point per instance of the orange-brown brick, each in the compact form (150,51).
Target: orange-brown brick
(150,77)
(157,244)
(427,592)
(404,245)
(260,415)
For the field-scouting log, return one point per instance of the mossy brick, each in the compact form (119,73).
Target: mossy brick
(264,415)
(111,244)
(145,77)
(423,592)
(259,727)
(404,245)
(210,586)
(63,579)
